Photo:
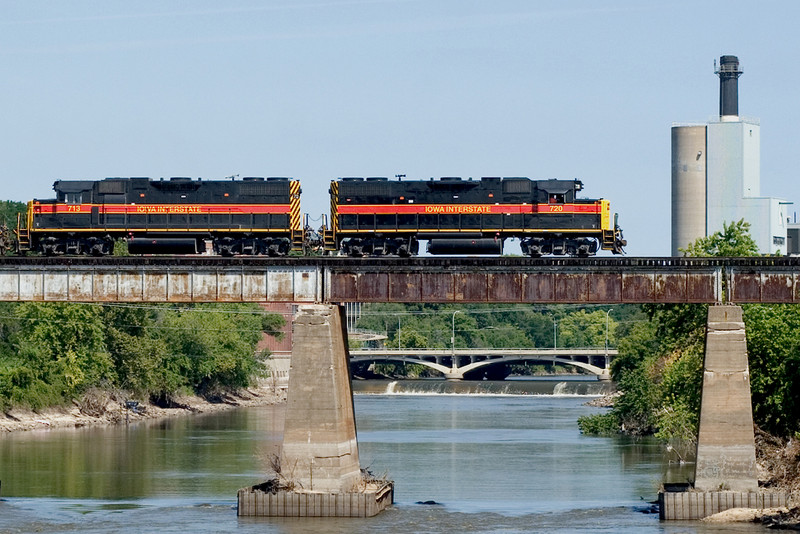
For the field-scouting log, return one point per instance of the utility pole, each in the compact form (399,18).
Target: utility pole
(453,334)
(554,333)
(607,313)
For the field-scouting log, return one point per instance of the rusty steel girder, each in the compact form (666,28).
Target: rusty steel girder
(751,285)
(528,286)
(420,279)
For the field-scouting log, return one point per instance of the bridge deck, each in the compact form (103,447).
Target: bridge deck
(546,352)
(420,279)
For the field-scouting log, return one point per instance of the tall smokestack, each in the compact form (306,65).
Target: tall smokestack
(728,73)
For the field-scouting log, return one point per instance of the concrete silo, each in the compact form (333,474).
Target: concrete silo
(688,185)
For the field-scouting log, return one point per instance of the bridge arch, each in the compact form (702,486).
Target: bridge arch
(402,359)
(474,366)
(460,372)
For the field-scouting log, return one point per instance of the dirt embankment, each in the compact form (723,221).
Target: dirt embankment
(779,468)
(778,461)
(99,407)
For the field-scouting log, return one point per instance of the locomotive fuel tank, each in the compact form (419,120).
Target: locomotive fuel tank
(484,245)
(162,245)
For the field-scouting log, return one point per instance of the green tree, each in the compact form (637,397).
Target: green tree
(659,369)
(587,329)
(8,213)
(66,340)
(773,345)
(733,241)
(51,353)
(212,351)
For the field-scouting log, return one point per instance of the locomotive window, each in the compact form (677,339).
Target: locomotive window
(556,198)
(73,198)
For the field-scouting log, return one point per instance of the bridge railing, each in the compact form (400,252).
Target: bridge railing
(494,349)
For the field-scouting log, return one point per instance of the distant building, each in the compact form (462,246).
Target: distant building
(279,350)
(716,175)
(793,238)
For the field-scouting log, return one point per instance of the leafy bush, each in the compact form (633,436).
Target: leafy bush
(602,424)
(53,353)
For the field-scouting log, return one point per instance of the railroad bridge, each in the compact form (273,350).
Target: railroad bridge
(320,421)
(420,279)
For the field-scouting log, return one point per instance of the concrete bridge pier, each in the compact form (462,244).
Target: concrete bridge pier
(726,450)
(725,468)
(454,374)
(320,475)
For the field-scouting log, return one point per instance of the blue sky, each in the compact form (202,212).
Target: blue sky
(322,89)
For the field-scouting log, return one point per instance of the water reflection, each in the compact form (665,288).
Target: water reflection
(202,455)
(495,461)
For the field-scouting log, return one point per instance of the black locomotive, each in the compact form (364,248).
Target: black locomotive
(372,216)
(175,216)
(376,216)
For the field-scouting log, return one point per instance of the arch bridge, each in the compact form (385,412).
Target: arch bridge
(460,364)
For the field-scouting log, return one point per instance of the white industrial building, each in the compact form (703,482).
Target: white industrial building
(716,175)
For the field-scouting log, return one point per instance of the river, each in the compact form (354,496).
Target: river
(495,456)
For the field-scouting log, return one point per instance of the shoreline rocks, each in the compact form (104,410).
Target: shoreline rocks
(105,408)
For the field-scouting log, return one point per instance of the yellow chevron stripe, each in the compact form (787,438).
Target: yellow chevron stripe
(334,207)
(294,219)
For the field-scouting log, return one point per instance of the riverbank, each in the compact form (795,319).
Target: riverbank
(104,408)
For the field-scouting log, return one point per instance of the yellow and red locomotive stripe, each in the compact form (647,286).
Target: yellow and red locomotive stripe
(601,208)
(163,209)
(468,209)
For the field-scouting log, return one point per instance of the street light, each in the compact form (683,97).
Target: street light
(607,313)
(453,335)
(554,332)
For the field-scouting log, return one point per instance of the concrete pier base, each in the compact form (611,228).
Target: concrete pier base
(725,469)
(320,475)
(371,501)
(692,505)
